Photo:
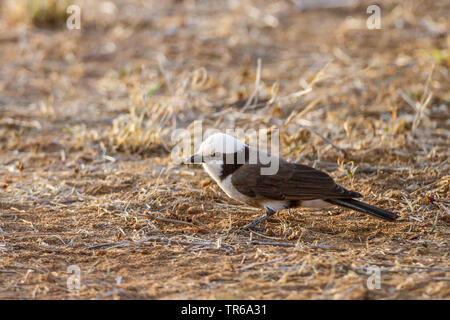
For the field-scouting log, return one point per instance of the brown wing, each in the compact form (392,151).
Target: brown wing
(292,182)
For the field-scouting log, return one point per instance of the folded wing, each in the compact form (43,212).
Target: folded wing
(292,182)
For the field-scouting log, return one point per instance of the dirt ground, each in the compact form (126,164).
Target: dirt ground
(87,181)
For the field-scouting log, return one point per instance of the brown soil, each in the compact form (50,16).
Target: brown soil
(85,181)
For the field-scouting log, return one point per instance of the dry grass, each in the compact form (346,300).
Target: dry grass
(40,13)
(85,138)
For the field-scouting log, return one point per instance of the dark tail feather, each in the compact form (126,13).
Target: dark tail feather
(364,208)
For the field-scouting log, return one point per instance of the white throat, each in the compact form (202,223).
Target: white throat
(214,170)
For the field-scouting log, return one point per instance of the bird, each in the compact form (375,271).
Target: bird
(237,168)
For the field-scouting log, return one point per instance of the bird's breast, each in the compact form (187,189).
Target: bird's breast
(232,192)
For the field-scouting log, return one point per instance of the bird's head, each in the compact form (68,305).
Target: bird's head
(220,150)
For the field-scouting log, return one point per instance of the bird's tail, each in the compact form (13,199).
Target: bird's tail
(364,208)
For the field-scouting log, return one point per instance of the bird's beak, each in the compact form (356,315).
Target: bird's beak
(196,158)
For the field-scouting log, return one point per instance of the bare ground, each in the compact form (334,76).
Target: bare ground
(86,176)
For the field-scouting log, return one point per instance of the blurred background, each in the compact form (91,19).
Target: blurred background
(188,59)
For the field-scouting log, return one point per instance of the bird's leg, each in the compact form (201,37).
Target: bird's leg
(254,223)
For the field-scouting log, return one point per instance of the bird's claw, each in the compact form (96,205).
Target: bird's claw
(250,227)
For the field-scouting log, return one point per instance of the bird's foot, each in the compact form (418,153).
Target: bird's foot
(248,227)
(254,223)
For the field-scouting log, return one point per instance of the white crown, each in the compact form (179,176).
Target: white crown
(222,143)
